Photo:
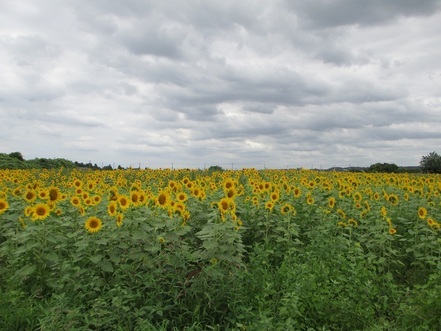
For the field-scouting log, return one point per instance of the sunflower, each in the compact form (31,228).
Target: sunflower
(228,183)
(275,196)
(93,224)
(224,205)
(357,197)
(287,209)
(77,182)
(43,194)
(123,201)
(179,208)
(30,196)
(134,197)
(422,212)
(75,201)
(41,211)
(112,208)
(96,199)
(28,211)
(297,192)
(331,202)
(181,196)
(196,192)
(431,222)
(163,199)
(392,231)
(231,193)
(393,199)
(383,211)
(310,200)
(54,194)
(352,222)
(269,205)
(341,213)
(3,206)
(119,220)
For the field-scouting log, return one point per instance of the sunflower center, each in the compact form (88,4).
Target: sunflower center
(162,199)
(41,211)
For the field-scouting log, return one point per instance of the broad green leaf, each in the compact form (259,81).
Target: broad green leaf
(96,258)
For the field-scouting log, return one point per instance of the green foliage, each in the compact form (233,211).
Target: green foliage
(383,167)
(215,168)
(17,155)
(11,162)
(296,270)
(15,161)
(431,163)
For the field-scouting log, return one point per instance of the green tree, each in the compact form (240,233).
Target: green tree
(383,167)
(17,155)
(431,163)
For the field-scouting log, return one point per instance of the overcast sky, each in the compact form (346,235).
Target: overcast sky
(294,83)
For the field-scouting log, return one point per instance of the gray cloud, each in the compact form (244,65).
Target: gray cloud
(194,83)
(324,13)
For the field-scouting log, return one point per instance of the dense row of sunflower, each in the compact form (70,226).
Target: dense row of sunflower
(105,198)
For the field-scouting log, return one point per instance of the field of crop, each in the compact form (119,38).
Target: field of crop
(229,250)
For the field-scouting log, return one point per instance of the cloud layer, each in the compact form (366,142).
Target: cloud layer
(200,83)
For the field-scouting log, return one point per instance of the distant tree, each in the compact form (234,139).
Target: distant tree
(16,155)
(215,168)
(431,163)
(383,167)
(107,167)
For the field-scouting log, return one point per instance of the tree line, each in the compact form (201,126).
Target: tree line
(430,163)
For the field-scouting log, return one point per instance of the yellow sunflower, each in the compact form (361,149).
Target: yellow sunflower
(30,196)
(41,211)
(224,205)
(422,212)
(119,220)
(393,199)
(112,208)
(181,196)
(93,224)
(3,206)
(287,209)
(269,205)
(123,201)
(54,194)
(331,202)
(163,199)
(275,196)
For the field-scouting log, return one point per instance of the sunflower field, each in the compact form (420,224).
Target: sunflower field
(224,250)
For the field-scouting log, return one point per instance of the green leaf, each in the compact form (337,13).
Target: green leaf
(96,258)
(106,266)
(25,271)
(115,256)
(51,257)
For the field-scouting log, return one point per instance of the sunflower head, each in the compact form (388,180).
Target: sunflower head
(41,211)
(93,224)
(422,212)
(54,194)
(3,206)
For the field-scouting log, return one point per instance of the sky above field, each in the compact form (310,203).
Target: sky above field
(190,84)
